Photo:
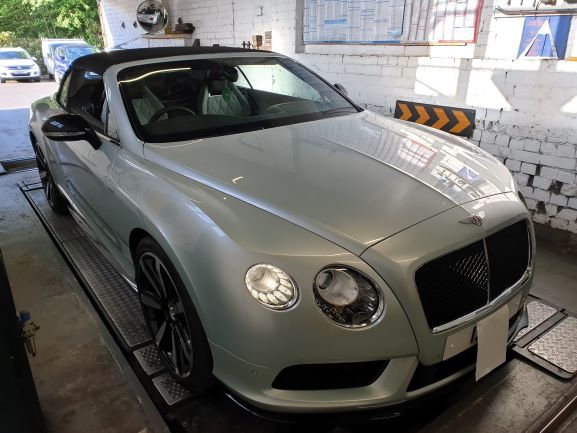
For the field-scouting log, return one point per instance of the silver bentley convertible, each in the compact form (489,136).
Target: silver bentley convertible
(310,255)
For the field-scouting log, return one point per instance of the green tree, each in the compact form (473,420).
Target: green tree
(24,23)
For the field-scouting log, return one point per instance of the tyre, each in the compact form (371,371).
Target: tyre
(2,81)
(37,80)
(171,318)
(55,199)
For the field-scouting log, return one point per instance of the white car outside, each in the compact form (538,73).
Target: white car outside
(17,64)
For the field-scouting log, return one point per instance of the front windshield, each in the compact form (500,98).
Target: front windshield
(13,55)
(201,98)
(72,53)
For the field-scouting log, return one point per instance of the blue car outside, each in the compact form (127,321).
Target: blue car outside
(64,55)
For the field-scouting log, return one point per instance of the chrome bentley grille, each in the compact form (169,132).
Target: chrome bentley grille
(467,279)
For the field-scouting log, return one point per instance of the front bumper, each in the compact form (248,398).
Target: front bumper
(19,75)
(395,387)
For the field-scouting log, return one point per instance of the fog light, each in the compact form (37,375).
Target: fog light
(271,287)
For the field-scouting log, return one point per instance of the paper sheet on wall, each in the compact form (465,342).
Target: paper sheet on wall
(382,21)
(353,21)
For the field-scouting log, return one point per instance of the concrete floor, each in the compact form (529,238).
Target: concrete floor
(15,100)
(80,385)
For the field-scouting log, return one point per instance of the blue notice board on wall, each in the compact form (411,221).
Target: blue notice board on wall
(353,21)
(545,37)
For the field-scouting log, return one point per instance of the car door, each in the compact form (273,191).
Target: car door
(59,62)
(88,171)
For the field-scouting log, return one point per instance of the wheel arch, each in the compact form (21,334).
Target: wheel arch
(136,235)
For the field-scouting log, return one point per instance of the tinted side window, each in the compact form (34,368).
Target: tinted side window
(86,97)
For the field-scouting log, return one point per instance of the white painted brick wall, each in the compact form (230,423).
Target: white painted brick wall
(526,109)
(119,17)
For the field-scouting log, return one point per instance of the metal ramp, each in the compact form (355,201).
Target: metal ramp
(548,341)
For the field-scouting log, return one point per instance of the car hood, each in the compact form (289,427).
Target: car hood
(354,179)
(17,62)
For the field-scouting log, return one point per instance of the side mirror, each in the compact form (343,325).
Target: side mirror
(34,58)
(341,89)
(70,127)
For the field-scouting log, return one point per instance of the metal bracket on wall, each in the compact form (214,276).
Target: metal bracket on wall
(532,11)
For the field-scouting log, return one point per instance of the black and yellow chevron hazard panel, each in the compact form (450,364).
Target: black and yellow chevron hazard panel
(457,121)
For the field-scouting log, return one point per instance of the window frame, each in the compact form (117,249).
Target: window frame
(231,129)
(101,130)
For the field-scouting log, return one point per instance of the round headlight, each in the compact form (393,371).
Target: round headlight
(271,286)
(347,297)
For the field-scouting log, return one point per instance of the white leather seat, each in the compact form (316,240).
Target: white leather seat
(146,106)
(223,98)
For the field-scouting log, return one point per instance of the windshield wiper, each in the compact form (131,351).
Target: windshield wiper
(340,111)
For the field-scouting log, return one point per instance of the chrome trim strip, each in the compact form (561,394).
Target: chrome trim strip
(481,311)
(488,270)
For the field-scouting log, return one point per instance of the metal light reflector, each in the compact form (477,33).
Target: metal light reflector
(271,286)
(348,297)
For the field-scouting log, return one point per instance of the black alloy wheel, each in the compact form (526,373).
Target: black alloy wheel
(171,318)
(165,315)
(56,201)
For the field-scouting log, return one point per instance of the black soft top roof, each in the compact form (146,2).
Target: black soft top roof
(100,62)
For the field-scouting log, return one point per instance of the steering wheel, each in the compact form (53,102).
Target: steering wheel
(165,110)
